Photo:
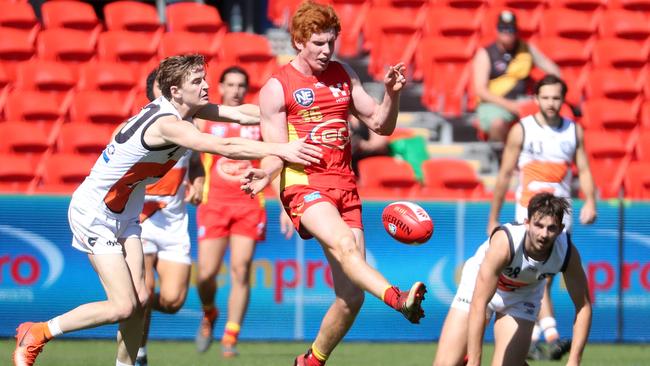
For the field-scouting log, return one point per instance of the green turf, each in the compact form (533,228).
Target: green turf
(89,353)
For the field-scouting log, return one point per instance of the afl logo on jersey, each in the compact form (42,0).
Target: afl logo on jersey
(304,97)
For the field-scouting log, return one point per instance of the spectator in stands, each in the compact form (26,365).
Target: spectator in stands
(543,147)
(365,143)
(501,75)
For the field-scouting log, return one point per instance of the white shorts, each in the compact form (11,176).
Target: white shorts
(168,239)
(98,232)
(521,305)
(521,213)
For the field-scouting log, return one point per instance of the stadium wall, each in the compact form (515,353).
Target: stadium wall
(41,275)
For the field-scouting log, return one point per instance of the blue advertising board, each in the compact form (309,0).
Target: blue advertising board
(41,275)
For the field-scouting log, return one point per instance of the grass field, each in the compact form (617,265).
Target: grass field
(90,353)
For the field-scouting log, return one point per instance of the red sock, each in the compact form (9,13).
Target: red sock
(391,297)
(313,361)
(210,313)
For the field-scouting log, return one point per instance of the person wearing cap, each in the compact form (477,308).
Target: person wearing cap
(501,75)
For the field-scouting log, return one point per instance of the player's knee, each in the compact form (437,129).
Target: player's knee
(347,248)
(121,310)
(240,273)
(171,304)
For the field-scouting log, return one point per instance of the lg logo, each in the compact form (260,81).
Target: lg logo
(332,133)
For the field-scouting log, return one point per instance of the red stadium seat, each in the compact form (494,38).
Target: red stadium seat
(100,107)
(615,116)
(23,138)
(609,157)
(581,5)
(645,115)
(251,52)
(131,48)
(521,4)
(66,45)
(385,176)
(70,14)
(34,106)
(281,11)
(108,76)
(614,84)
(464,4)
(16,172)
(386,16)
(65,172)
(20,16)
(637,180)
(643,146)
(40,75)
(450,178)
(15,46)
(133,16)
(84,138)
(568,23)
(631,25)
(638,5)
(352,15)
(181,42)
(623,54)
(141,100)
(195,18)
(463,23)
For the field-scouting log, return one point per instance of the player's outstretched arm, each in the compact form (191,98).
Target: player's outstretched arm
(381,118)
(496,259)
(245,114)
(576,284)
(588,212)
(508,165)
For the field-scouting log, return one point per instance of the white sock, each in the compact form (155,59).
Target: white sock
(55,329)
(537,334)
(142,351)
(118,363)
(548,325)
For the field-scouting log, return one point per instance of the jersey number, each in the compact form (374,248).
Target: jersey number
(124,136)
(311,115)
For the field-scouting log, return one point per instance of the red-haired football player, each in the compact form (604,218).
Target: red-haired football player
(311,97)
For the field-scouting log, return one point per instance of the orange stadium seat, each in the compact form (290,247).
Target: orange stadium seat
(84,138)
(195,18)
(70,14)
(41,75)
(352,15)
(612,115)
(450,178)
(108,76)
(133,16)
(393,29)
(386,177)
(253,53)
(65,172)
(100,107)
(35,106)
(573,58)
(620,54)
(637,180)
(131,48)
(569,23)
(463,23)
(16,172)
(66,45)
(15,46)
(643,146)
(19,15)
(23,138)
(415,8)
(626,24)
(614,84)
(181,42)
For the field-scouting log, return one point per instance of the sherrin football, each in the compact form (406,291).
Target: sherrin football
(407,222)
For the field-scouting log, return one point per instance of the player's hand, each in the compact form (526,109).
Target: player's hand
(394,80)
(300,152)
(286,225)
(588,213)
(492,224)
(194,194)
(253,181)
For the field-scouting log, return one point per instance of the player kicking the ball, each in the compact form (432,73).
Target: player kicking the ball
(104,210)
(506,276)
(312,96)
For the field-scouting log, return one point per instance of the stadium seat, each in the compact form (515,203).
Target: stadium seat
(386,177)
(279,12)
(615,53)
(614,116)
(608,178)
(637,180)
(251,52)
(450,178)
(414,9)
(66,45)
(35,106)
(521,4)
(637,5)
(580,5)
(70,14)
(645,114)
(195,17)
(5,86)
(643,146)
(16,46)
(65,172)
(141,100)
(568,23)
(41,75)
(131,48)
(84,138)
(614,84)
(382,16)
(352,15)
(181,42)
(453,22)
(573,58)
(16,173)
(24,138)
(100,107)
(625,24)
(464,4)
(108,76)
(133,16)
(609,156)
(20,16)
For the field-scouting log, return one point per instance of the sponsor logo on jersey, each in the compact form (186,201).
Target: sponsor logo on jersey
(304,96)
(92,241)
(312,197)
(108,151)
(332,133)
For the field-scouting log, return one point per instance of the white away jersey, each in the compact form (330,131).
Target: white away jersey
(167,195)
(545,159)
(117,181)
